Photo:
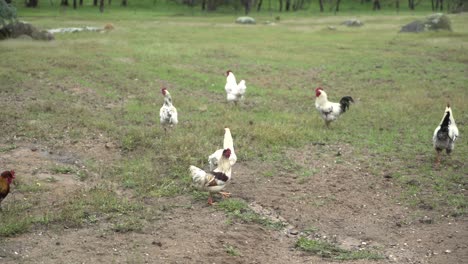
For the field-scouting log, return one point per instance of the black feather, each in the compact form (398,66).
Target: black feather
(442,134)
(220,176)
(345,102)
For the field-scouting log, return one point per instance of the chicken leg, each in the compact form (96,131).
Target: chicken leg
(225,194)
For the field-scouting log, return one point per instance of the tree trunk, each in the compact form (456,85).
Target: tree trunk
(376,5)
(31,3)
(110,2)
(81,2)
(124,3)
(247,4)
(337,6)
(101,6)
(397,5)
(411,4)
(321,5)
(288,5)
(74,4)
(259,5)
(94,2)
(64,2)
(280,5)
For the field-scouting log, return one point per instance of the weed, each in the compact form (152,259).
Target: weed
(328,250)
(232,251)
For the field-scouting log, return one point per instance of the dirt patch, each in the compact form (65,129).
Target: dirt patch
(328,194)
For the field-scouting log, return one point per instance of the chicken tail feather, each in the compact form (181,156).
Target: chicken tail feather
(345,102)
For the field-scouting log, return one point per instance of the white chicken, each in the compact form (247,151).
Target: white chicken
(228,143)
(330,111)
(167,113)
(445,134)
(213,181)
(235,92)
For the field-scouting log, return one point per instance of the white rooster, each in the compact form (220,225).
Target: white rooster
(330,111)
(167,113)
(214,158)
(445,134)
(235,92)
(213,181)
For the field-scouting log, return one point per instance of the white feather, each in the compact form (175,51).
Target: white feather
(234,91)
(228,142)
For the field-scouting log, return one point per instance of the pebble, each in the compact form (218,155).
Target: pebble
(294,232)
(448,251)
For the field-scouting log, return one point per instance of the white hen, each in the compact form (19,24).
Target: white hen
(214,158)
(213,181)
(167,113)
(445,134)
(235,92)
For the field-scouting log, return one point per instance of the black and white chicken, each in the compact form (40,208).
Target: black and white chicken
(213,181)
(445,134)
(330,111)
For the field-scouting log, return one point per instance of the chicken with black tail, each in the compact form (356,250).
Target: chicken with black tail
(445,134)
(330,111)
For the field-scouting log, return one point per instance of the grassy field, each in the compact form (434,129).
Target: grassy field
(82,87)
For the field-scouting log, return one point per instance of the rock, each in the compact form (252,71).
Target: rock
(436,21)
(439,21)
(415,26)
(331,27)
(25,37)
(294,232)
(245,20)
(426,220)
(15,30)
(353,23)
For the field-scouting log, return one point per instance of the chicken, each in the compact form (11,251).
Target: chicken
(445,134)
(214,158)
(330,111)
(235,92)
(6,178)
(167,113)
(216,180)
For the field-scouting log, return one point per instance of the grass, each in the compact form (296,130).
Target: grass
(86,84)
(328,250)
(238,209)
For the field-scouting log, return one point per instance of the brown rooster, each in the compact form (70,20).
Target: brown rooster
(5,180)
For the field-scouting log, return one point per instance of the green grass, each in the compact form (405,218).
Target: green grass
(83,85)
(328,250)
(238,209)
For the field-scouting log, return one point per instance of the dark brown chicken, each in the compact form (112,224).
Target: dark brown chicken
(6,178)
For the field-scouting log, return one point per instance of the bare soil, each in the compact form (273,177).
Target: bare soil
(338,201)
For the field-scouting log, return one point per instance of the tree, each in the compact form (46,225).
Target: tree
(441,6)
(411,4)
(101,6)
(397,5)
(337,6)
(64,2)
(31,3)
(7,13)
(94,2)
(74,4)
(259,5)
(376,5)
(321,5)
(124,3)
